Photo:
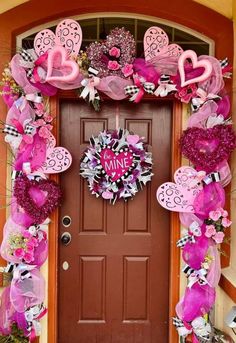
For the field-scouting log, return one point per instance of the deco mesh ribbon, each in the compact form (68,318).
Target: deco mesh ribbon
(116,165)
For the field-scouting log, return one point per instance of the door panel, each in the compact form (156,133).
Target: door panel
(116,287)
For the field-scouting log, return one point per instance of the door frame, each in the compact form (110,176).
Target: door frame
(53,260)
(33,13)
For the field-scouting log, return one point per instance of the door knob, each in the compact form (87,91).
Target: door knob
(66,238)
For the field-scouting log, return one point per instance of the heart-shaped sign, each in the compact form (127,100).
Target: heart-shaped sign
(203,63)
(206,148)
(37,198)
(180,196)
(60,67)
(115,165)
(68,35)
(156,43)
(58,159)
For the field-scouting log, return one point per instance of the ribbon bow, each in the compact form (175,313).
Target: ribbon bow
(202,98)
(22,272)
(165,86)
(194,231)
(90,85)
(139,88)
(18,130)
(32,316)
(195,276)
(199,327)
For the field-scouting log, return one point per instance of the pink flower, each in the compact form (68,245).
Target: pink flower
(215,215)
(39,122)
(115,52)
(48,118)
(219,236)
(185,94)
(19,252)
(226,222)
(113,65)
(224,213)
(48,126)
(33,241)
(44,132)
(127,70)
(29,247)
(210,231)
(26,234)
(28,257)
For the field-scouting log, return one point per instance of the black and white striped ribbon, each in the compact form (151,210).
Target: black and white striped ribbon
(224,63)
(213,177)
(26,56)
(12,130)
(184,240)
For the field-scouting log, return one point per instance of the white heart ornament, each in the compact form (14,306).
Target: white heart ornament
(203,63)
(179,196)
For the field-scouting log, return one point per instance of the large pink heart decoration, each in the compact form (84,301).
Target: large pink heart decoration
(179,196)
(203,63)
(116,165)
(38,198)
(68,34)
(60,66)
(58,159)
(156,43)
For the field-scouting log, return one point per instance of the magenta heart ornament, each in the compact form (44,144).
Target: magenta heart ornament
(207,148)
(38,198)
(115,165)
(179,196)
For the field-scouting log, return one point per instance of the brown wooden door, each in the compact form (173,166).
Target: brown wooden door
(116,287)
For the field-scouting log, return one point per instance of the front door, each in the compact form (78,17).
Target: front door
(114,275)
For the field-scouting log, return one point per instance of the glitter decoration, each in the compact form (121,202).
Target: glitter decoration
(207,148)
(38,198)
(102,55)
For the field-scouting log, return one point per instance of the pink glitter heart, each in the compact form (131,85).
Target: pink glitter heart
(116,165)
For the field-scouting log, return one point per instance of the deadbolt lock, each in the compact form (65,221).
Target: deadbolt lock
(66,238)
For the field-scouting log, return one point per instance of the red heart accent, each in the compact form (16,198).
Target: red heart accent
(116,165)
(37,198)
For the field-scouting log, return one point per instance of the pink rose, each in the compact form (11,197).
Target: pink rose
(28,257)
(19,252)
(115,52)
(26,234)
(210,231)
(219,236)
(43,132)
(39,122)
(127,70)
(29,247)
(226,222)
(113,65)
(33,241)
(224,213)
(215,215)
(48,118)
